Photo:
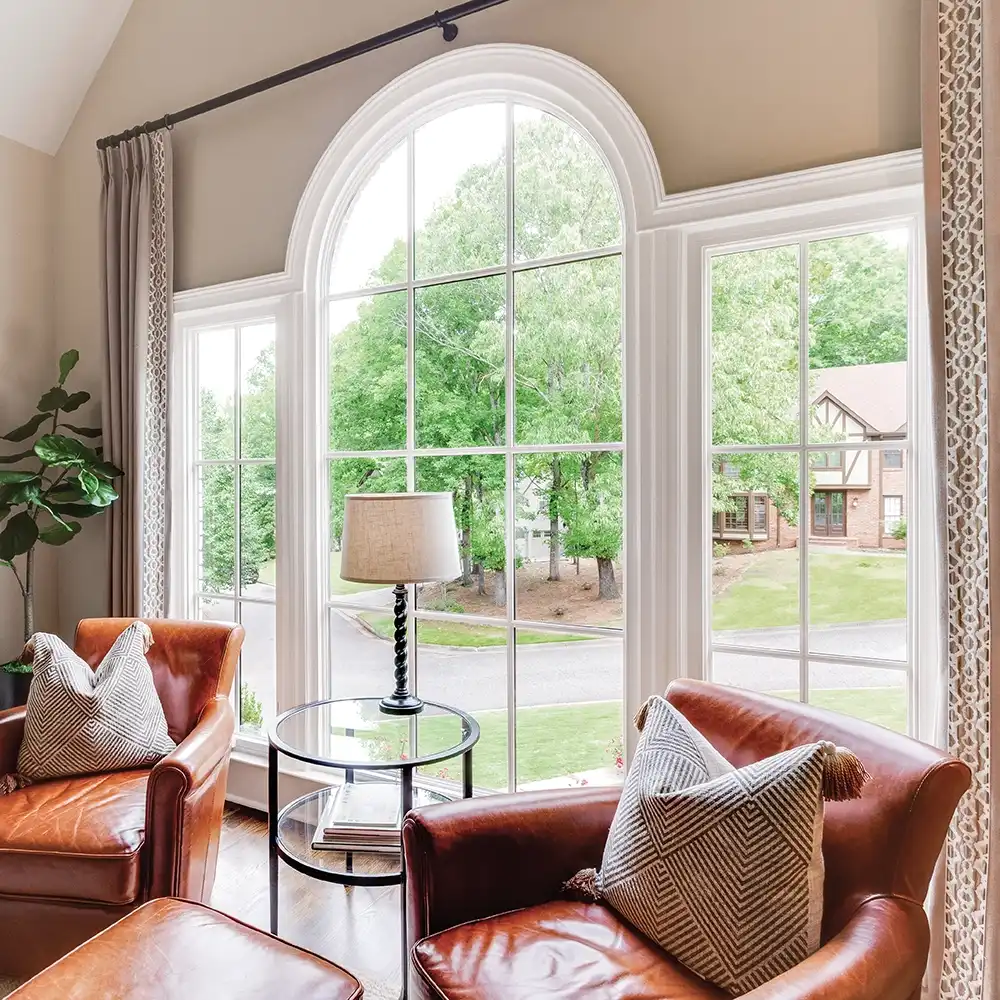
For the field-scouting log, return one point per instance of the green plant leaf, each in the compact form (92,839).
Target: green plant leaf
(19,534)
(67,363)
(18,493)
(57,449)
(105,495)
(88,482)
(26,430)
(75,510)
(19,457)
(10,476)
(75,401)
(67,492)
(59,534)
(107,471)
(53,399)
(90,432)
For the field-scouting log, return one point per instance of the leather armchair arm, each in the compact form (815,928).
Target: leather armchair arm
(879,955)
(184,802)
(480,857)
(11,735)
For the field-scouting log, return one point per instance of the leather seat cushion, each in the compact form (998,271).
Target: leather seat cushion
(557,951)
(75,838)
(171,949)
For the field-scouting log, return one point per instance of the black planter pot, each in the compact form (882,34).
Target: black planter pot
(13,689)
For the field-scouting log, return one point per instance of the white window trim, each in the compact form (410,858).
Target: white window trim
(664,614)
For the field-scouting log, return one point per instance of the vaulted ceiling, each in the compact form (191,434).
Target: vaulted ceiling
(50,51)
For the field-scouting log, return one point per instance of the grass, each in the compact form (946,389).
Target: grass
(885,706)
(558,740)
(435,633)
(843,588)
(551,741)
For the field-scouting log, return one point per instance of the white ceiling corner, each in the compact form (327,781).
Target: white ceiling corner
(50,52)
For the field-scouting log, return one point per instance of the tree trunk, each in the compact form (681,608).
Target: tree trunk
(554,521)
(29,594)
(500,588)
(480,578)
(467,534)
(608,589)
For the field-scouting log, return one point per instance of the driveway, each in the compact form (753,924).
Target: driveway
(557,673)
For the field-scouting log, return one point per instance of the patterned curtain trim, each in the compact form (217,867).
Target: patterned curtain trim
(155,522)
(959,300)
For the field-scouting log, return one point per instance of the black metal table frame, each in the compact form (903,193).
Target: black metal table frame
(276,852)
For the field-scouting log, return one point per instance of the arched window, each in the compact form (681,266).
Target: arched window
(472,322)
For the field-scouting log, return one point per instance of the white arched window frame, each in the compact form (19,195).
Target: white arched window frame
(665,385)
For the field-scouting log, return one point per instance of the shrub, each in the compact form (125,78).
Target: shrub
(899,532)
(720,550)
(251,710)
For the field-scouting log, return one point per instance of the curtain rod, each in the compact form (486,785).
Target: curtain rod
(443,19)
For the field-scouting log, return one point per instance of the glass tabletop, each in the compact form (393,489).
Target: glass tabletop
(356,733)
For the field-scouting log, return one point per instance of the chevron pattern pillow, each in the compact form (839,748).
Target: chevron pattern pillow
(721,867)
(83,721)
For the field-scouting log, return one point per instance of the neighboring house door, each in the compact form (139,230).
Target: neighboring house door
(829,514)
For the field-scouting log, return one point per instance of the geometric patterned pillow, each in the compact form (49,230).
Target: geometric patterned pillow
(723,868)
(83,721)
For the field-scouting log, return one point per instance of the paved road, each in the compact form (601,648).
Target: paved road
(561,673)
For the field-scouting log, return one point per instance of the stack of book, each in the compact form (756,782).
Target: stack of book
(360,817)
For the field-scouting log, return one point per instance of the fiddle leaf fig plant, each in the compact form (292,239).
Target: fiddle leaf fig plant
(63,479)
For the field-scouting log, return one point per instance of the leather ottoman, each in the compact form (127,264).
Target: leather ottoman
(171,949)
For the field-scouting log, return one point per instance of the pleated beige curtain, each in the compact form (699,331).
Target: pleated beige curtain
(137,286)
(961,117)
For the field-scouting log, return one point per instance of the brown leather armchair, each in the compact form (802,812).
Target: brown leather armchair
(487,920)
(76,854)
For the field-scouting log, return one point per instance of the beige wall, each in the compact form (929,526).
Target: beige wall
(27,349)
(726,89)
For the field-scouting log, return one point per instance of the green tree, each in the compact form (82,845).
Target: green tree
(858,301)
(257,482)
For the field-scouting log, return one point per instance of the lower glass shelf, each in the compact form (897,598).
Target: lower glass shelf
(297,824)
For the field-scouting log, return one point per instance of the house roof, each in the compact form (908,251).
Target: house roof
(874,393)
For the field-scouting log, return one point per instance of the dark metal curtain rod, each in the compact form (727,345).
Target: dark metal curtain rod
(443,19)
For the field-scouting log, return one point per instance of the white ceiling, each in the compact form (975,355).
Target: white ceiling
(50,51)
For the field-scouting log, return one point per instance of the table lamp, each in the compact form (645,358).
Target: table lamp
(399,538)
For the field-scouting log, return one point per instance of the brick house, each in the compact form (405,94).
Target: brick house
(858,496)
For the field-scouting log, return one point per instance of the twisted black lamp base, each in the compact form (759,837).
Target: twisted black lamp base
(400,702)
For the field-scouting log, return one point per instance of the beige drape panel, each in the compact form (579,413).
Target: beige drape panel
(961,116)
(137,284)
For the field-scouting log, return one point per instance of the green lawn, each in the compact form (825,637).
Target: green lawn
(885,706)
(843,588)
(567,739)
(441,633)
(551,742)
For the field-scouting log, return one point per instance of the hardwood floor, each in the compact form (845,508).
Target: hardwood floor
(355,926)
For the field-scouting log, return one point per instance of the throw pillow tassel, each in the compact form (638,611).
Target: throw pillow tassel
(10,783)
(640,716)
(582,887)
(844,775)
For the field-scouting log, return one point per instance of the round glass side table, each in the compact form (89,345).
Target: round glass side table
(354,735)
